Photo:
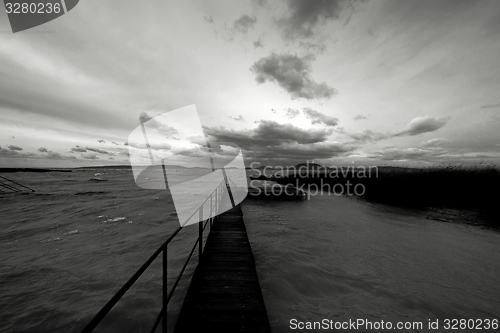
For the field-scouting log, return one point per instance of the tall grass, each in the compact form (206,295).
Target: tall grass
(449,186)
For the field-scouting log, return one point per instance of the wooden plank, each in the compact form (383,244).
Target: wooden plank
(225,295)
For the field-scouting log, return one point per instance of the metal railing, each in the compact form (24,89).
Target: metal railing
(215,198)
(11,186)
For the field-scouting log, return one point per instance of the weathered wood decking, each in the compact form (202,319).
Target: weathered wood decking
(225,295)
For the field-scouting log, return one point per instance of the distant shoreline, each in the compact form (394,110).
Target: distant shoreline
(11,170)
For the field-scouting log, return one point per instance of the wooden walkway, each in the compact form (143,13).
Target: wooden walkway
(225,295)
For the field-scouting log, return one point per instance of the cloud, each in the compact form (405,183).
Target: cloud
(292,113)
(315,48)
(12,147)
(274,141)
(101,141)
(78,149)
(304,16)
(292,73)
(268,133)
(115,143)
(405,154)
(90,156)
(53,154)
(360,117)
(155,145)
(8,152)
(436,142)
(166,130)
(208,19)
(270,130)
(15,153)
(421,125)
(244,23)
(97,150)
(257,43)
(490,106)
(260,3)
(239,118)
(320,118)
(144,117)
(368,136)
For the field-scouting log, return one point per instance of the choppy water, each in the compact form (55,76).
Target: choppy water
(340,258)
(68,247)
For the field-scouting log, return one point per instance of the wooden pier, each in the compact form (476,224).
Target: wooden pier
(225,295)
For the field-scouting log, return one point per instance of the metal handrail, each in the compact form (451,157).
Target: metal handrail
(160,314)
(13,188)
(214,206)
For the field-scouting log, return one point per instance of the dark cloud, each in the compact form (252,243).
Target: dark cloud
(115,143)
(8,152)
(292,73)
(271,140)
(101,141)
(320,118)
(97,150)
(208,19)
(421,125)
(78,149)
(258,43)
(270,130)
(297,152)
(268,133)
(436,142)
(12,147)
(144,117)
(292,113)
(303,17)
(244,23)
(42,150)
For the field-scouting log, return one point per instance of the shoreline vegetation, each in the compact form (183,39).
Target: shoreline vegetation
(446,193)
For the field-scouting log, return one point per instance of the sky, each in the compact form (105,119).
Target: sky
(411,83)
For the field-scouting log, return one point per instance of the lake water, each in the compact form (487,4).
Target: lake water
(68,247)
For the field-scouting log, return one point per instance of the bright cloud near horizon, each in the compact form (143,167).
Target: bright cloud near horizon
(332,81)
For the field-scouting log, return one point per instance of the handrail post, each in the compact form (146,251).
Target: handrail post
(211,212)
(165,290)
(216,199)
(200,232)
